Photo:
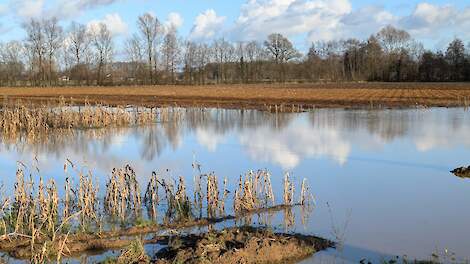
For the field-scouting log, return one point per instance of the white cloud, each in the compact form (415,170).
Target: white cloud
(113,22)
(174,20)
(325,20)
(207,25)
(60,8)
(363,22)
(427,19)
(29,8)
(318,18)
(70,8)
(463,22)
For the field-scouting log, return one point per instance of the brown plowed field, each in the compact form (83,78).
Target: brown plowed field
(348,95)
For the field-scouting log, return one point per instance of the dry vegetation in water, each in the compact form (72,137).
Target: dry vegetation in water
(37,123)
(261,96)
(37,224)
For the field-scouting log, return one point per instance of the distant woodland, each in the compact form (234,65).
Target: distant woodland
(51,55)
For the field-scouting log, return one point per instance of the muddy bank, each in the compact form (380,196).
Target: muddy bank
(462,172)
(20,247)
(240,245)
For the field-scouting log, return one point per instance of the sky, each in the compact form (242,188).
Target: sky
(433,22)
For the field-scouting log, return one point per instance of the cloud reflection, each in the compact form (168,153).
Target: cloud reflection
(290,145)
(283,139)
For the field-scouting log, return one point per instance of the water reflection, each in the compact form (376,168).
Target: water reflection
(281,139)
(388,167)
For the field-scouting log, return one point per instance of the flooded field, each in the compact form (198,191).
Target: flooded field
(381,178)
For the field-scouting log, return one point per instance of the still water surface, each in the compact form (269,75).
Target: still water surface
(380,177)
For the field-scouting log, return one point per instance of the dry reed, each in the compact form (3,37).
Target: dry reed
(151,198)
(36,211)
(34,122)
(254,191)
(123,193)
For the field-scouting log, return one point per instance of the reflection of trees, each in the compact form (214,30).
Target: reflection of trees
(387,124)
(152,139)
(153,142)
(181,121)
(224,120)
(55,141)
(169,132)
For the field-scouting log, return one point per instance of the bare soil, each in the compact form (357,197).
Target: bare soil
(241,245)
(347,95)
(462,172)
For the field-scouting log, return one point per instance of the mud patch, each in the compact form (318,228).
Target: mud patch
(462,172)
(22,247)
(241,245)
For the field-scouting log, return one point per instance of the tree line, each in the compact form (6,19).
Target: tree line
(86,55)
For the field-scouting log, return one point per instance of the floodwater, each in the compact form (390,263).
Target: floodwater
(380,177)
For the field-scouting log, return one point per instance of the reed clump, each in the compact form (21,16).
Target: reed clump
(82,198)
(289,189)
(151,197)
(306,196)
(36,212)
(35,121)
(254,191)
(211,199)
(123,193)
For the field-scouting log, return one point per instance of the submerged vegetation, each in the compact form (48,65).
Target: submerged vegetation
(18,117)
(36,123)
(37,223)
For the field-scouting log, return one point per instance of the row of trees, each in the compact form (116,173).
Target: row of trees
(50,55)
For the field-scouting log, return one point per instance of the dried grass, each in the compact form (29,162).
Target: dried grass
(254,191)
(37,213)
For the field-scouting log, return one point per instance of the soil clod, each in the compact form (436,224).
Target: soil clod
(241,245)
(462,172)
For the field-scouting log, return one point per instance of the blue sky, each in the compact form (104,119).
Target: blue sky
(434,23)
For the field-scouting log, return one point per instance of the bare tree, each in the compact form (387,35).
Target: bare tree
(389,55)
(392,39)
(202,59)
(255,55)
(11,61)
(281,50)
(352,59)
(79,46)
(53,34)
(455,56)
(373,59)
(241,54)
(395,43)
(223,53)
(102,41)
(313,63)
(189,61)
(135,54)
(171,52)
(150,30)
(36,45)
